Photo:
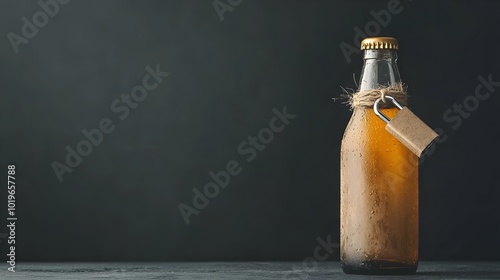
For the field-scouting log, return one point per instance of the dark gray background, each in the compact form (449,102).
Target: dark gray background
(121,203)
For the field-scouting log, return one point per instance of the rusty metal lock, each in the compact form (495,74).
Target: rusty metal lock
(407,128)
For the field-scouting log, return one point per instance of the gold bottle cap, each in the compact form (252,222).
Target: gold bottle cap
(379,43)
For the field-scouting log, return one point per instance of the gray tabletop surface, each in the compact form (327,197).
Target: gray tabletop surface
(237,270)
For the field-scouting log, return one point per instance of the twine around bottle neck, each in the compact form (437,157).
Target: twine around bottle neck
(367,98)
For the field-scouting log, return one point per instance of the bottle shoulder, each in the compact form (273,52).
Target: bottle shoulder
(364,125)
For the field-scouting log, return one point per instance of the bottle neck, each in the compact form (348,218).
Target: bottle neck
(379,70)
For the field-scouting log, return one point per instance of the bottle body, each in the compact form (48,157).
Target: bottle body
(379,199)
(379,185)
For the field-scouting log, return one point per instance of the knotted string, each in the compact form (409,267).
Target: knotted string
(367,98)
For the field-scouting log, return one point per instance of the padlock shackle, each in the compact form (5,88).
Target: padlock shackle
(380,114)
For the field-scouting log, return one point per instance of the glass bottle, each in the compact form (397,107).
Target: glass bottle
(379,180)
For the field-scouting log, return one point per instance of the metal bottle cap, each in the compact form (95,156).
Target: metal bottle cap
(380,43)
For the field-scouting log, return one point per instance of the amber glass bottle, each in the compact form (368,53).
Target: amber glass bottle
(379,180)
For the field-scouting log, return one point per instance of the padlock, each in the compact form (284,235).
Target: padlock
(407,128)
